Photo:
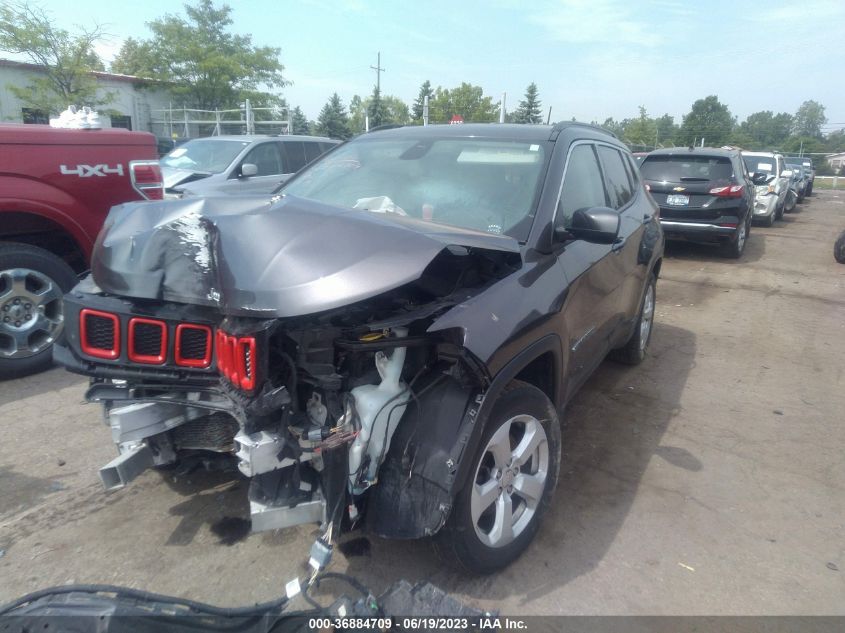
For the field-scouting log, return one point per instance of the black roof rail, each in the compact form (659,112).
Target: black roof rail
(562,125)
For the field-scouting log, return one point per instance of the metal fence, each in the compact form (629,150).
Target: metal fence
(194,123)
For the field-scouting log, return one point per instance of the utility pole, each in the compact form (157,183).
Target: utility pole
(425,110)
(502,108)
(379,70)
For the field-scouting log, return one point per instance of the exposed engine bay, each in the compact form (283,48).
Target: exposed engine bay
(334,387)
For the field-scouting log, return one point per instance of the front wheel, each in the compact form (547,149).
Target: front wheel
(32,284)
(512,478)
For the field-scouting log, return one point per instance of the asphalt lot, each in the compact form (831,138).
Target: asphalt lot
(709,480)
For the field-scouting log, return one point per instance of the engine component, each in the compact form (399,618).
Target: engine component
(214,432)
(260,452)
(379,408)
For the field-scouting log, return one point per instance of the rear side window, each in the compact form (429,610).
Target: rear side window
(618,184)
(582,185)
(312,151)
(686,168)
(295,156)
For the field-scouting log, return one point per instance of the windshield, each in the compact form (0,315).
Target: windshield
(760,164)
(208,156)
(484,184)
(686,168)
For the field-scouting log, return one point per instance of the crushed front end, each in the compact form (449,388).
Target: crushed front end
(304,405)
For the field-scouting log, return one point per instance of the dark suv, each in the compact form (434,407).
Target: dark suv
(705,195)
(388,341)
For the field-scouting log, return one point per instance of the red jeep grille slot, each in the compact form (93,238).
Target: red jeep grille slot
(99,334)
(236,359)
(147,341)
(193,345)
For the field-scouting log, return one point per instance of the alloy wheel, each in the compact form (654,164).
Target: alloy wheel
(31,315)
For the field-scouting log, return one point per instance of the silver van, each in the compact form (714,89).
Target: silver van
(238,164)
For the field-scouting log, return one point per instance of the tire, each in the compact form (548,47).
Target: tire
(769,220)
(790,202)
(780,210)
(477,542)
(736,247)
(634,350)
(809,190)
(32,284)
(839,248)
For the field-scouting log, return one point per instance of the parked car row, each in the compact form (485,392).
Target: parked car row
(713,195)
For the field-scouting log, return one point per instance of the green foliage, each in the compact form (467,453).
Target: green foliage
(529,108)
(377,110)
(641,131)
(394,111)
(208,66)
(667,130)
(417,108)
(764,130)
(467,101)
(67,59)
(710,119)
(299,122)
(809,119)
(612,125)
(805,144)
(333,120)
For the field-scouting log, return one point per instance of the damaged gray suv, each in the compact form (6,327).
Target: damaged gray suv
(385,344)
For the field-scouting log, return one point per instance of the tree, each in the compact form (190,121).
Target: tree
(394,110)
(809,120)
(612,125)
(708,119)
(765,130)
(67,59)
(466,101)
(641,131)
(417,108)
(299,122)
(333,120)
(667,130)
(207,66)
(376,110)
(529,108)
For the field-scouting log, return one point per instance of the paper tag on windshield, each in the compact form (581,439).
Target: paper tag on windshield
(533,148)
(764,167)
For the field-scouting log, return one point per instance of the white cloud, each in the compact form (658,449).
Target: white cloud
(594,22)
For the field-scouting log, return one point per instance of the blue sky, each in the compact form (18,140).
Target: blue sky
(591,59)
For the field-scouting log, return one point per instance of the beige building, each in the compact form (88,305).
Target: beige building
(133,101)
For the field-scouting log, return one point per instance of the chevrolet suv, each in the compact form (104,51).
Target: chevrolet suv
(705,195)
(386,343)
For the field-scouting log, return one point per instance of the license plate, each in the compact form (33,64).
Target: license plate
(677,200)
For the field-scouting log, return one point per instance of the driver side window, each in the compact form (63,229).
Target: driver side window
(266,158)
(582,185)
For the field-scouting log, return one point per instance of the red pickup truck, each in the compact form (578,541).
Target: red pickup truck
(56,188)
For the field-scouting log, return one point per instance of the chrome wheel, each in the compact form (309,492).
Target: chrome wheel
(31,316)
(647,317)
(510,481)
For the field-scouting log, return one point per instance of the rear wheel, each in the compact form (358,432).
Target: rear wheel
(32,284)
(736,247)
(633,352)
(510,486)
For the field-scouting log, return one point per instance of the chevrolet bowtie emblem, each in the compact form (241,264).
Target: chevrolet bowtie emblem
(679,189)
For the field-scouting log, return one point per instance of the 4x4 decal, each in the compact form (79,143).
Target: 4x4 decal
(86,171)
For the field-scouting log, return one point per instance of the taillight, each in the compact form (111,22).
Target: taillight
(728,191)
(99,334)
(146,179)
(236,359)
(147,341)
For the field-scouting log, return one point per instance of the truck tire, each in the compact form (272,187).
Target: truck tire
(32,284)
(839,248)
(512,480)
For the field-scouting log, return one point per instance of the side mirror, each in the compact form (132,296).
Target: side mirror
(248,169)
(599,225)
(759,177)
(786,173)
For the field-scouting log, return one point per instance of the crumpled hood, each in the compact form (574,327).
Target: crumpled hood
(252,256)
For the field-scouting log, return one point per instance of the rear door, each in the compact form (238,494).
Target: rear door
(620,181)
(265,156)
